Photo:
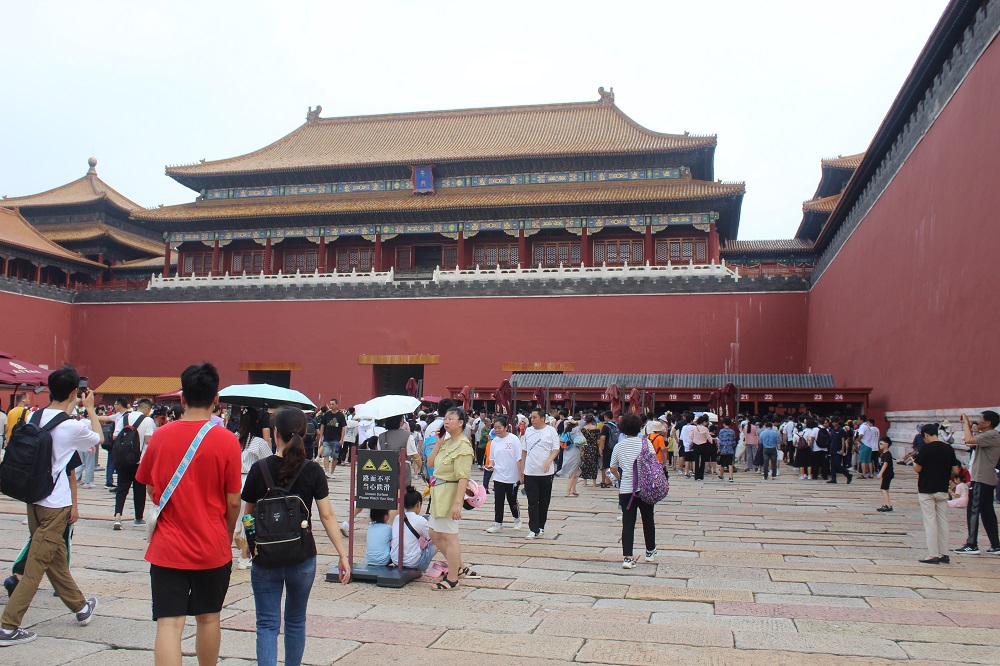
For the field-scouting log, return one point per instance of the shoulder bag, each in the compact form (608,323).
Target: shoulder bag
(176,479)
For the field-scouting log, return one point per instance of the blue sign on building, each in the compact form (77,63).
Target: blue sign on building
(423,179)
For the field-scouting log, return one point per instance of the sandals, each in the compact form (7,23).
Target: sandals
(445,585)
(466,572)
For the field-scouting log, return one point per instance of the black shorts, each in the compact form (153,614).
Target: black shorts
(886,480)
(180,592)
(726,459)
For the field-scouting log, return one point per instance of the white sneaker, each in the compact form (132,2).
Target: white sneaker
(651,556)
(345,528)
(243,563)
(628,563)
(496,529)
(531,535)
(619,517)
(518,525)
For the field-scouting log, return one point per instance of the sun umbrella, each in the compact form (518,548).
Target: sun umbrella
(263,395)
(634,401)
(430,397)
(411,386)
(167,396)
(615,395)
(466,397)
(387,405)
(20,372)
(503,397)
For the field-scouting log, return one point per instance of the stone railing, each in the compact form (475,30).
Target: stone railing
(278,279)
(476,274)
(903,427)
(668,270)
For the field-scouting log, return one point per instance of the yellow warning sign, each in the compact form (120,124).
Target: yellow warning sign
(368,465)
(385,466)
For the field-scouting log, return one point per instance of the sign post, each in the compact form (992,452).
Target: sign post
(377,483)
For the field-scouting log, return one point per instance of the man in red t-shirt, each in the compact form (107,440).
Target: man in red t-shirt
(190,552)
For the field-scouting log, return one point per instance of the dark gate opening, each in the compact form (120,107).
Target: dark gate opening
(391,379)
(427,257)
(282,378)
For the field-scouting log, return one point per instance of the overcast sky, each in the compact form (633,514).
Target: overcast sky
(140,85)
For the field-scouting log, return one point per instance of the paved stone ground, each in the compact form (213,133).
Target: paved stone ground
(782,572)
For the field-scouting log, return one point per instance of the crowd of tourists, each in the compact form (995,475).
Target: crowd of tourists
(253,461)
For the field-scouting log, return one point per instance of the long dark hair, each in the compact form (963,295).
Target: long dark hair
(290,424)
(249,426)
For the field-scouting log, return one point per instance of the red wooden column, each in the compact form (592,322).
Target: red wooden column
(522,250)
(461,251)
(649,251)
(267,256)
(100,276)
(166,258)
(378,253)
(6,266)
(67,281)
(321,264)
(38,273)
(585,256)
(215,258)
(713,244)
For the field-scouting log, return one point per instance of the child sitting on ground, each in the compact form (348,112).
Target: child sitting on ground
(379,537)
(885,471)
(417,548)
(959,492)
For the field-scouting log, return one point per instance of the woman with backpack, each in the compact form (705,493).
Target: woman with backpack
(622,458)
(293,476)
(804,448)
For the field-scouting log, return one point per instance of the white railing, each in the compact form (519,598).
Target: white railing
(278,279)
(668,270)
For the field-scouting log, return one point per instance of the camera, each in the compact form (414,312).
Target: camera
(84,385)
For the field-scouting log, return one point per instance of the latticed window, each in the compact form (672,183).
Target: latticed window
(354,258)
(199,263)
(491,256)
(251,261)
(551,255)
(304,261)
(681,250)
(616,252)
(449,257)
(404,258)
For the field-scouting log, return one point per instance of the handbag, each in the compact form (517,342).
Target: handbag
(178,475)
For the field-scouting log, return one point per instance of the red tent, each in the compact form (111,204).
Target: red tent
(503,397)
(615,395)
(634,401)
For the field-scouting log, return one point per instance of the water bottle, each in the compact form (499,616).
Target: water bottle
(248,525)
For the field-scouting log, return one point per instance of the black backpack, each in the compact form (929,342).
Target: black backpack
(281,524)
(127,449)
(310,429)
(109,435)
(26,470)
(823,439)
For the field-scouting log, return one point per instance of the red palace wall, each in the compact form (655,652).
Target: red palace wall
(703,333)
(35,330)
(910,305)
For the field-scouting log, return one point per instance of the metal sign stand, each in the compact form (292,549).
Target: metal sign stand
(382,576)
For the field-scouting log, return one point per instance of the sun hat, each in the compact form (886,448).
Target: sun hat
(475,495)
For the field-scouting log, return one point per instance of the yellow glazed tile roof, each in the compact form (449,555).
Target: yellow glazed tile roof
(88,189)
(844,161)
(139,386)
(65,233)
(16,231)
(823,205)
(440,136)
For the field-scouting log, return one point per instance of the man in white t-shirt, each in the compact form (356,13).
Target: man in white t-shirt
(688,444)
(143,423)
(538,453)
(47,519)
(868,437)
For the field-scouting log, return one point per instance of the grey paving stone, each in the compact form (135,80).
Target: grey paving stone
(656,606)
(903,632)
(853,602)
(848,590)
(965,654)
(730,622)
(240,644)
(533,645)
(825,644)
(50,652)
(452,618)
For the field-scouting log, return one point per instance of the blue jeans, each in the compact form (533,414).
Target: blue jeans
(109,472)
(268,584)
(426,555)
(86,473)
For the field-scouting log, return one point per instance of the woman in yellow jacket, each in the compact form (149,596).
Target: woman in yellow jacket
(451,458)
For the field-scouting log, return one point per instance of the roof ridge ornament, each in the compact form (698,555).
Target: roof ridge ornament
(313,116)
(607,96)
(93,166)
